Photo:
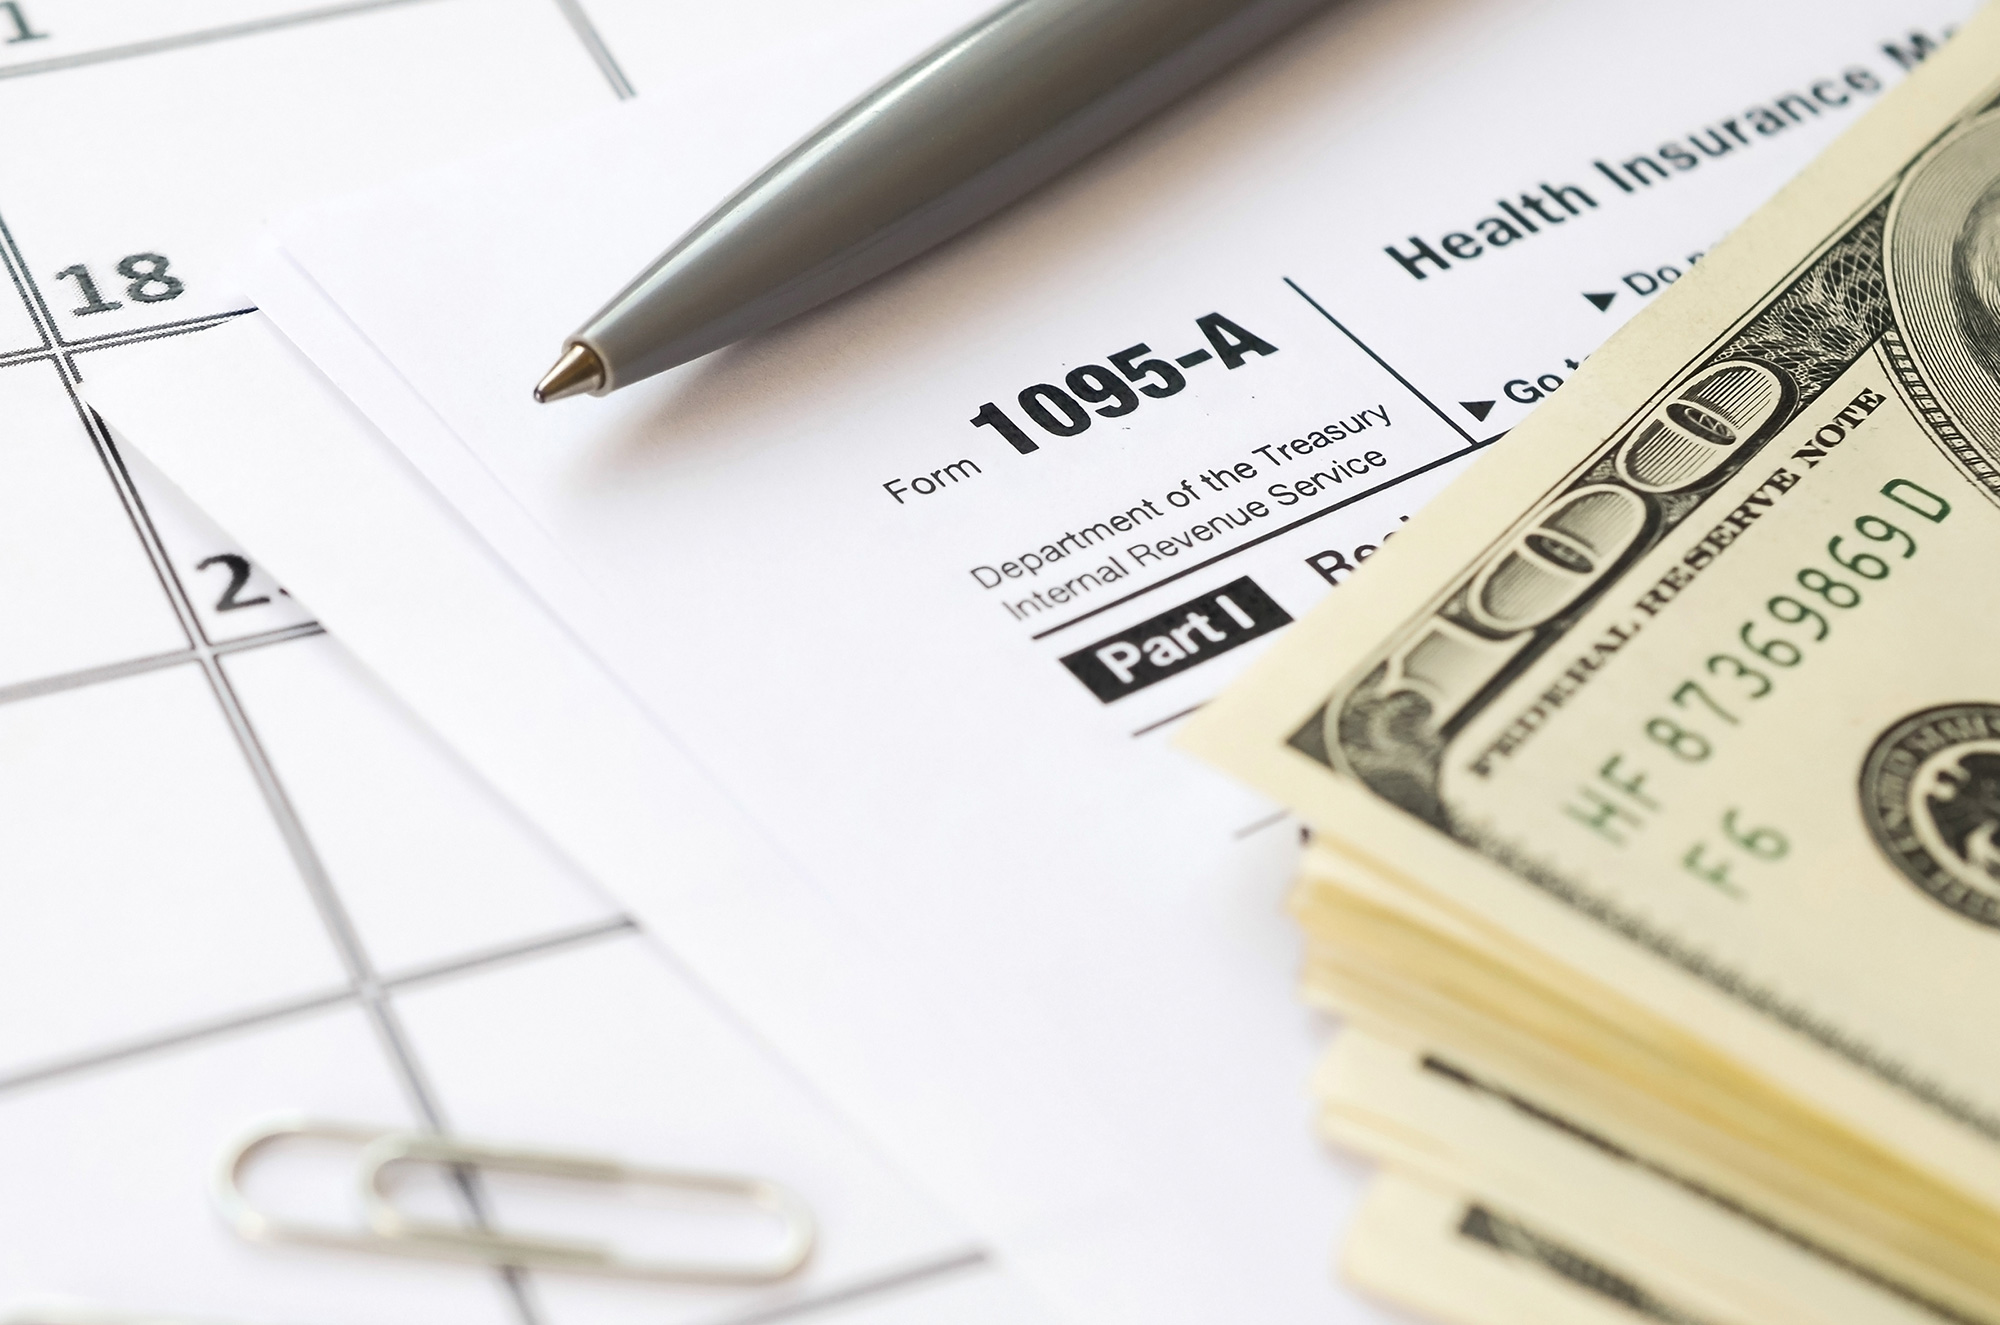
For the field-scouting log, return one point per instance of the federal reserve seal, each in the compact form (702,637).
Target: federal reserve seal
(1930,791)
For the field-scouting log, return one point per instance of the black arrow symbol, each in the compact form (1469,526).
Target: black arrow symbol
(1478,409)
(1603,301)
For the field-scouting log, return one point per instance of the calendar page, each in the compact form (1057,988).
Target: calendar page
(239,879)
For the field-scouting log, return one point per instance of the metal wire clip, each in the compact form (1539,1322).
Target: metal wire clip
(390,1230)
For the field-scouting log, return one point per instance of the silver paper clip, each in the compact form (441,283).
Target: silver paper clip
(394,1232)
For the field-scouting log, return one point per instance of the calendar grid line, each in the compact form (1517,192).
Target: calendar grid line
(127,494)
(90,676)
(264,639)
(200,37)
(593,43)
(31,292)
(18,274)
(119,340)
(112,340)
(181,1037)
(12,357)
(306,1004)
(152,331)
(934,1267)
(84,677)
(558,941)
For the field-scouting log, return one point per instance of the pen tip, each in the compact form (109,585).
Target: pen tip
(579,370)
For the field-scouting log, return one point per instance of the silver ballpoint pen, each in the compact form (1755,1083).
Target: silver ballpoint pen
(982,119)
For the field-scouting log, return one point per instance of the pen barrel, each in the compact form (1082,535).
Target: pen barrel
(982,119)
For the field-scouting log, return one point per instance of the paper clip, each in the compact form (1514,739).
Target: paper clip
(390,1230)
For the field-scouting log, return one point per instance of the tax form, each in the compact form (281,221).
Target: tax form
(240,879)
(925,580)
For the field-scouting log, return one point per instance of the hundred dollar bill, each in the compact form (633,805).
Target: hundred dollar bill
(1685,702)
(1604,1196)
(1717,1176)
(1462,1261)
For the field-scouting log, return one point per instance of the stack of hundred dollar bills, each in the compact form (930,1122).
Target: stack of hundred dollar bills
(1654,780)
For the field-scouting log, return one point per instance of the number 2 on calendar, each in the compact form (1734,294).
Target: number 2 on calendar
(16,25)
